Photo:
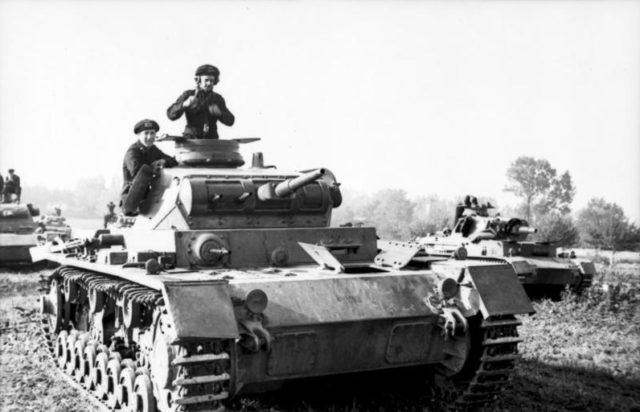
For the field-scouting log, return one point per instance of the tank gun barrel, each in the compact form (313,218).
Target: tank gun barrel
(283,189)
(525,230)
(291,185)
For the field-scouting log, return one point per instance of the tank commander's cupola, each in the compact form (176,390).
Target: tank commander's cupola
(209,152)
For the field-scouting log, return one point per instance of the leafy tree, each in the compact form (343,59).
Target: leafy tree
(391,212)
(604,225)
(558,229)
(88,198)
(538,183)
(631,240)
(431,213)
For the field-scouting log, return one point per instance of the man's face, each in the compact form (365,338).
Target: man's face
(147,137)
(206,82)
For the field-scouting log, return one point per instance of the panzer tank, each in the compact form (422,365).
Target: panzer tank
(17,235)
(232,282)
(52,227)
(478,236)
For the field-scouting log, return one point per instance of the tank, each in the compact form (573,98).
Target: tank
(17,235)
(232,282)
(479,236)
(52,227)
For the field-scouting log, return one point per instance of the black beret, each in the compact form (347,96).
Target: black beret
(10,170)
(207,69)
(145,124)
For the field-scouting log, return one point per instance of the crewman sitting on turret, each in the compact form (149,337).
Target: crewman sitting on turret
(202,106)
(143,152)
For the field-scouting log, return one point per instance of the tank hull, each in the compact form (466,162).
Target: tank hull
(14,248)
(16,234)
(538,269)
(317,323)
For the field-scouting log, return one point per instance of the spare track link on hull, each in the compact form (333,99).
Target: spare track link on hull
(122,379)
(490,365)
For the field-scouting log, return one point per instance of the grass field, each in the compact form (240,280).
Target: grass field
(580,353)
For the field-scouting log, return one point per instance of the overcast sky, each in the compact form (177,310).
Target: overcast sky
(431,97)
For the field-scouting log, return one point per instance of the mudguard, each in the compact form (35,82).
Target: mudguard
(200,310)
(586,267)
(500,291)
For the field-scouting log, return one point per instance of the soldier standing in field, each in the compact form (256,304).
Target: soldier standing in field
(202,107)
(111,216)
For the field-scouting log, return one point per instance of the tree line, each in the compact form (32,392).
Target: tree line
(88,198)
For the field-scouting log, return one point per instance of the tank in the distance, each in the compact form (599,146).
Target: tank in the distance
(53,226)
(481,236)
(17,233)
(232,282)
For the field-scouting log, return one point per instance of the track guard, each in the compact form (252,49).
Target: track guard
(500,291)
(200,310)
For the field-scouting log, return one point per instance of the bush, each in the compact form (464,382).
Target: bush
(612,293)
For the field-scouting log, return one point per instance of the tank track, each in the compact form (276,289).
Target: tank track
(119,378)
(585,283)
(488,370)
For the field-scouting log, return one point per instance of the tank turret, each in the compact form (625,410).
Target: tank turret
(208,196)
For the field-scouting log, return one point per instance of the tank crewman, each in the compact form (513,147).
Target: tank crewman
(202,107)
(143,152)
(12,186)
(111,216)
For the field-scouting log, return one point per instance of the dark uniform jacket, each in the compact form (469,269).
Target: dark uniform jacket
(201,123)
(13,183)
(138,155)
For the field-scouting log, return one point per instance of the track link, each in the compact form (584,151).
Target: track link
(488,371)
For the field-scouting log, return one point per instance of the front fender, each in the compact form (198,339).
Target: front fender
(501,293)
(200,310)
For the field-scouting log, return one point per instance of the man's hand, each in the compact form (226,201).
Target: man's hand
(214,109)
(190,102)
(158,165)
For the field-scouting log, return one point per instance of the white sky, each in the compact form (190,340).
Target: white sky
(432,97)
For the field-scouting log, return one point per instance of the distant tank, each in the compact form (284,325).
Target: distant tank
(232,282)
(120,222)
(477,236)
(17,233)
(52,227)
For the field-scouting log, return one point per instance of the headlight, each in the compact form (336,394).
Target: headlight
(448,288)
(256,301)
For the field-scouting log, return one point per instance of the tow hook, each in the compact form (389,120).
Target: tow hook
(453,322)
(254,336)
